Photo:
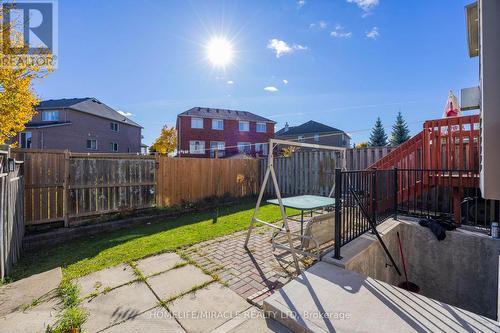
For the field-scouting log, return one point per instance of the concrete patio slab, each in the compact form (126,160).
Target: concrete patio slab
(23,292)
(35,319)
(107,278)
(160,263)
(207,308)
(252,320)
(326,298)
(118,305)
(177,281)
(157,320)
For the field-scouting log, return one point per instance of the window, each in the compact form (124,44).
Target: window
(300,138)
(196,122)
(244,126)
(261,148)
(92,144)
(217,124)
(25,139)
(50,115)
(218,146)
(244,147)
(197,147)
(316,137)
(113,146)
(114,127)
(261,127)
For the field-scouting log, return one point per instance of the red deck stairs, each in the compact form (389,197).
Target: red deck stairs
(447,149)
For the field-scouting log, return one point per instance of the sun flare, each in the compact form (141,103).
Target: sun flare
(219,52)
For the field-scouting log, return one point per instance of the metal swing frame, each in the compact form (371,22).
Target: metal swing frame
(270,172)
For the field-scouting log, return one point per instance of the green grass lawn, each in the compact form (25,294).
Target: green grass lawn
(85,255)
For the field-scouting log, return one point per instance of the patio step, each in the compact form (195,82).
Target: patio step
(326,298)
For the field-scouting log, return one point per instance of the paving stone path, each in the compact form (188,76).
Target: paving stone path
(204,289)
(165,293)
(254,273)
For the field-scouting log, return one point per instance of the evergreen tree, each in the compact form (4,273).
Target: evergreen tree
(378,138)
(400,131)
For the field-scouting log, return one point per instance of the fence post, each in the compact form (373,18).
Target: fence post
(374,196)
(338,212)
(65,188)
(395,193)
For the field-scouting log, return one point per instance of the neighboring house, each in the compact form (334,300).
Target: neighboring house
(314,132)
(80,125)
(202,131)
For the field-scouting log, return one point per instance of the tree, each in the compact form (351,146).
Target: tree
(166,142)
(362,145)
(17,71)
(378,138)
(400,131)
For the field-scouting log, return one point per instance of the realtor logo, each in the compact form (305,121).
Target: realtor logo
(29,32)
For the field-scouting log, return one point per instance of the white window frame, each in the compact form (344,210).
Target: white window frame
(196,120)
(261,125)
(91,148)
(220,146)
(316,137)
(300,138)
(200,150)
(215,126)
(113,146)
(50,115)
(115,127)
(261,148)
(242,145)
(244,128)
(23,143)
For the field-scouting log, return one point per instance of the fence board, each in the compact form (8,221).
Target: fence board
(60,185)
(305,172)
(11,213)
(193,179)
(362,158)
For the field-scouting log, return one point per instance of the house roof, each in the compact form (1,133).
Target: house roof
(224,114)
(310,127)
(88,105)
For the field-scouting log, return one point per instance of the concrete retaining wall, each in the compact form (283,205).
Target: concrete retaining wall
(462,270)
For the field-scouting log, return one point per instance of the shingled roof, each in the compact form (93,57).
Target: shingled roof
(224,114)
(310,127)
(88,105)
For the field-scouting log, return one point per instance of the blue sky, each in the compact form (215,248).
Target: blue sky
(346,61)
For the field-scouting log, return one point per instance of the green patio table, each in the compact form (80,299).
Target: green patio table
(304,203)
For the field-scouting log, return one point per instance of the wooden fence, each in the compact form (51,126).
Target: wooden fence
(11,211)
(362,158)
(304,172)
(64,186)
(68,187)
(192,179)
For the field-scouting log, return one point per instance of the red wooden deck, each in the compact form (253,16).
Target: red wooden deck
(448,149)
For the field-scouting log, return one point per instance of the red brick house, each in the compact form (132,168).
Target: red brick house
(202,131)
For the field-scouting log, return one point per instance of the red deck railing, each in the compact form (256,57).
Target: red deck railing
(443,146)
(449,143)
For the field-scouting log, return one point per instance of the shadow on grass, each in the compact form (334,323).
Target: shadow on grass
(84,250)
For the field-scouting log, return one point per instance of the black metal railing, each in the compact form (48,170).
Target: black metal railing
(368,196)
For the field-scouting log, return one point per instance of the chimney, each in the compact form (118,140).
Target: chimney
(286,127)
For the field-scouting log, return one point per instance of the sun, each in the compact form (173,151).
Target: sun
(219,52)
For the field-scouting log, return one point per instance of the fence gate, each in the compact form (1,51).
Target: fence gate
(11,211)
